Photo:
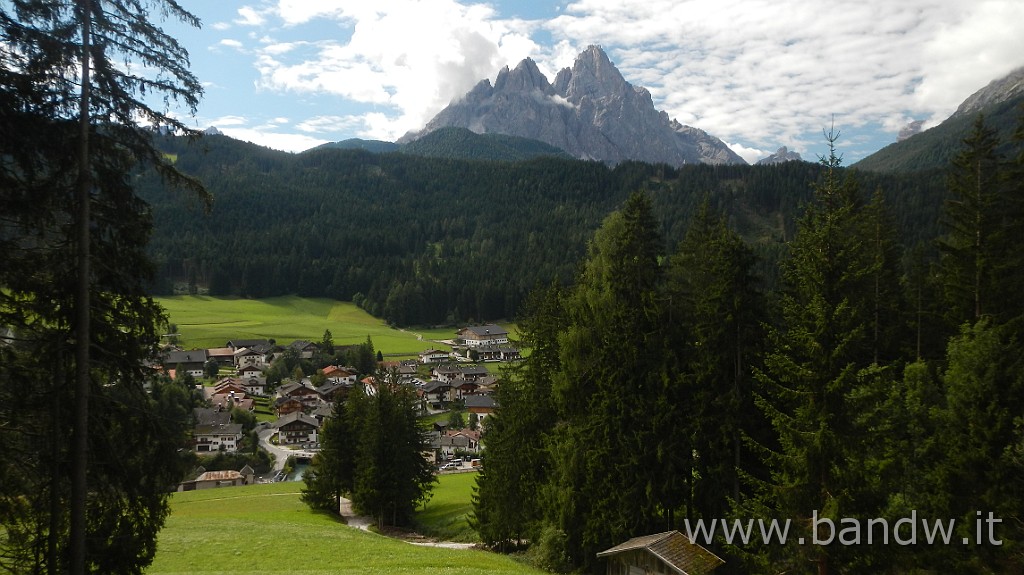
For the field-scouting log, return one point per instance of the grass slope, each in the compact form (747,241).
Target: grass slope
(205,321)
(446,515)
(266,529)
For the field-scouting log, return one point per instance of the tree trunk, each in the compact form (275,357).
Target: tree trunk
(80,444)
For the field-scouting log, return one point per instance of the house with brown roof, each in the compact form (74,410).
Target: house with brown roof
(669,552)
(477,335)
(340,374)
(297,428)
(212,479)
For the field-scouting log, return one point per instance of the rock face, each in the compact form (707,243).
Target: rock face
(909,130)
(590,111)
(997,91)
(782,155)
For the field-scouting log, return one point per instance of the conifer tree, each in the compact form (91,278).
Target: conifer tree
(605,472)
(969,216)
(718,311)
(73,106)
(506,504)
(814,364)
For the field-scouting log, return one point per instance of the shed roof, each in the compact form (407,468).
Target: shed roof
(674,549)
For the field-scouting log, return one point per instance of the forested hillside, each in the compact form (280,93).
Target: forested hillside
(425,240)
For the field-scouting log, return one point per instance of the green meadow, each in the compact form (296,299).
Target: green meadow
(205,321)
(266,529)
(446,515)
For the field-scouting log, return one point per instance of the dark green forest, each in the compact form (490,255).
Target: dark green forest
(666,385)
(419,240)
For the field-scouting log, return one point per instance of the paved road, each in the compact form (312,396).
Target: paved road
(281,454)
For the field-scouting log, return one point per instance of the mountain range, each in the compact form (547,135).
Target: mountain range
(590,111)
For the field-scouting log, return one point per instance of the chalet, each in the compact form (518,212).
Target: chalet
(226,386)
(508,353)
(463,387)
(211,416)
(481,405)
(445,373)
(297,428)
(254,385)
(212,479)
(237,344)
(192,362)
(486,352)
(434,356)
(478,335)
(251,371)
(437,391)
(225,356)
(284,405)
(333,391)
(339,374)
(447,443)
(217,437)
(323,413)
(304,348)
(248,357)
(669,552)
(473,372)
(302,391)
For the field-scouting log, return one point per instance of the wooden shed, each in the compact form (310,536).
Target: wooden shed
(670,553)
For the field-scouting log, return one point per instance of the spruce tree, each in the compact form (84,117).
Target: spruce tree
(606,472)
(72,134)
(814,364)
(507,508)
(717,311)
(970,219)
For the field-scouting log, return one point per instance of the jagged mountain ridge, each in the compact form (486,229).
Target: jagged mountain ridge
(590,111)
(1001,103)
(781,156)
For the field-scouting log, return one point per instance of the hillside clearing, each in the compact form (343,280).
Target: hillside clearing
(266,529)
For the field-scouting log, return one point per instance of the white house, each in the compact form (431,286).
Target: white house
(490,334)
(217,437)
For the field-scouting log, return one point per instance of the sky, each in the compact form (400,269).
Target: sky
(758,74)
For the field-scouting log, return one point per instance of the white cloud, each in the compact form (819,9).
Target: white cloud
(287,142)
(229,43)
(408,56)
(329,124)
(249,16)
(758,73)
(751,155)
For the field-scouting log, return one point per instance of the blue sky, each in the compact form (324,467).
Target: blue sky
(759,74)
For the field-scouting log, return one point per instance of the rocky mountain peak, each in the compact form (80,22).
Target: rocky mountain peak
(996,91)
(593,75)
(590,111)
(523,78)
(780,156)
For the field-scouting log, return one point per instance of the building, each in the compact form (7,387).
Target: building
(192,362)
(669,552)
(479,335)
(213,479)
(297,428)
(217,437)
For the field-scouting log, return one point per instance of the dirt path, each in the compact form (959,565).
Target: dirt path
(364,523)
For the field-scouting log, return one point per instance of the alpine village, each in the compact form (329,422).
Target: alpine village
(624,351)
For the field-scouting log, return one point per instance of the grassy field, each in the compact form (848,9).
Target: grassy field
(205,321)
(266,529)
(446,515)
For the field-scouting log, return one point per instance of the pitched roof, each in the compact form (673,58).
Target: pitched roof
(237,343)
(210,416)
(221,429)
(296,416)
(481,400)
(219,476)
(192,356)
(485,330)
(674,549)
